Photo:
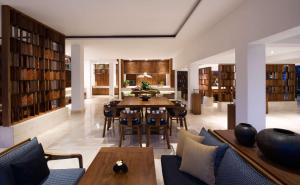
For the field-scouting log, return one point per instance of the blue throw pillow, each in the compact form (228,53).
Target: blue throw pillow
(31,169)
(212,141)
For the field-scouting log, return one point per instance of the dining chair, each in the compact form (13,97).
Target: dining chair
(156,119)
(177,113)
(108,117)
(130,119)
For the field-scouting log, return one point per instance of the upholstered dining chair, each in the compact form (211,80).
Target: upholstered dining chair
(157,119)
(130,119)
(177,113)
(108,117)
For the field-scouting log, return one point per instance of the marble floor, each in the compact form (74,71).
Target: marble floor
(82,132)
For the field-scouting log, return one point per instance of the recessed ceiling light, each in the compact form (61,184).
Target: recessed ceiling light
(272,52)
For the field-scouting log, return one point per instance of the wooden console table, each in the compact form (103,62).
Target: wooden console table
(277,173)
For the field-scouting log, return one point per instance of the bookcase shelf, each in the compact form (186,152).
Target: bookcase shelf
(33,67)
(205,81)
(280,82)
(226,82)
(182,83)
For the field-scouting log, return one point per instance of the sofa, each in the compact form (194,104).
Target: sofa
(55,177)
(232,169)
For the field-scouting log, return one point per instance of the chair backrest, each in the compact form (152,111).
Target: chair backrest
(158,116)
(180,110)
(130,116)
(107,110)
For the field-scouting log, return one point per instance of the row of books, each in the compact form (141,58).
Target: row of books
(204,82)
(35,62)
(226,83)
(25,36)
(280,82)
(34,86)
(52,55)
(226,75)
(281,97)
(282,90)
(206,70)
(280,67)
(204,76)
(226,68)
(280,75)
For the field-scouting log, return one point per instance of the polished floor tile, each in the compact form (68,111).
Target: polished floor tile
(82,132)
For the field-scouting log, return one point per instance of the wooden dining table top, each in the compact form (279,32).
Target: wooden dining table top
(152,102)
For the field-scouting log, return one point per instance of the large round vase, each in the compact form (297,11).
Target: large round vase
(245,134)
(281,146)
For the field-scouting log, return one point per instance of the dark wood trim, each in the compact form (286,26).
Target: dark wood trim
(51,157)
(13,147)
(6,63)
(140,36)
(188,17)
(117,36)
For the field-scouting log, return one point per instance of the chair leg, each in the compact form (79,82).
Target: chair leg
(167,137)
(148,136)
(121,136)
(170,126)
(181,123)
(139,135)
(104,127)
(185,125)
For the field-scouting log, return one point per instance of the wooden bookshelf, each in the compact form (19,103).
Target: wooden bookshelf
(280,82)
(182,83)
(205,81)
(68,70)
(34,69)
(226,82)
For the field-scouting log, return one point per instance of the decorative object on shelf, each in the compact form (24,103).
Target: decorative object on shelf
(126,83)
(145,97)
(144,75)
(120,167)
(145,85)
(245,134)
(280,145)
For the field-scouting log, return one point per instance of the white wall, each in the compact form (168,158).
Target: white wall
(253,20)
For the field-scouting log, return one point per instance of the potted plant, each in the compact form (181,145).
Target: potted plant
(126,83)
(145,85)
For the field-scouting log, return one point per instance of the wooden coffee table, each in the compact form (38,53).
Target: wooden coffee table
(140,162)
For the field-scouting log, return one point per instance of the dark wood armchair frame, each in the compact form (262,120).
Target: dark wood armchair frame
(130,117)
(157,117)
(47,155)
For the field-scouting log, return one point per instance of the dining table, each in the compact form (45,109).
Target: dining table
(136,102)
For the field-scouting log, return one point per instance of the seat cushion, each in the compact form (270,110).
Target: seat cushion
(31,169)
(134,122)
(6,174)
(172,176)
(210,140)
(152,122)
(235,170)
(64,176)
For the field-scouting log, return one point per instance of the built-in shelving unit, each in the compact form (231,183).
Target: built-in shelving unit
(182,83)
(226,82)
(34,69)
(68,67)
(280,82)
(205,81)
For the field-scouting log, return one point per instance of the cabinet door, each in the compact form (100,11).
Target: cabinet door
(132,67)
(162,67)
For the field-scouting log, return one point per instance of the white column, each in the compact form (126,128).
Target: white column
(77,55)
(193,82)
(175,85)
(251,85)
(87,79)
(112,78)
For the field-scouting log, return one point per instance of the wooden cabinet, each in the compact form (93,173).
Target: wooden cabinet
(231,116)
(196,103)
(131,67)
(162,67)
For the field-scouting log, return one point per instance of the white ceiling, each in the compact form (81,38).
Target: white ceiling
(127,17)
